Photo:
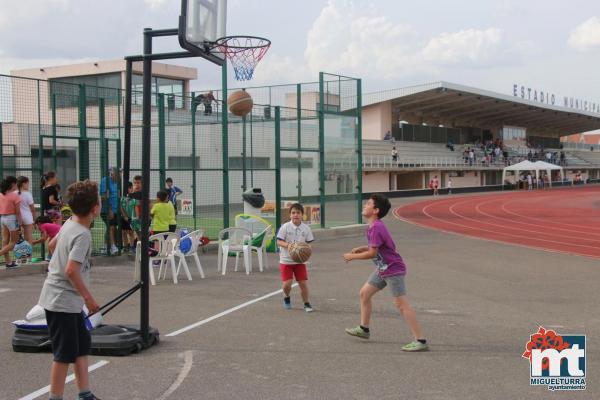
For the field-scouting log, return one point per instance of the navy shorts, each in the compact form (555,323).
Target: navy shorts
(69,336)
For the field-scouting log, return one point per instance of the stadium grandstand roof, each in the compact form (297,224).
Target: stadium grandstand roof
(468,105)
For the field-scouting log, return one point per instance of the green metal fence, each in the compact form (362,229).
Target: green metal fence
(300,142)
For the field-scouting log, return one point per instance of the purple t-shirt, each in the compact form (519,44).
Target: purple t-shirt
(388,261)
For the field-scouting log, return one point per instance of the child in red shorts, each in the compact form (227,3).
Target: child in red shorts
(292,232)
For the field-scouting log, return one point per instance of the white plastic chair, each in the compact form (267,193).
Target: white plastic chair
(194,237)
(261,250)
(238,241)
(167,243)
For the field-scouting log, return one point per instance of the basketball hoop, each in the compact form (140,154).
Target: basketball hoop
(244,53)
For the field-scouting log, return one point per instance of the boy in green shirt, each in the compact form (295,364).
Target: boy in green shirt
(163,214)
(130,223)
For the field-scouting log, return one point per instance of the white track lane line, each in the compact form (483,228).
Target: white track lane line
(396,214)
(222,314)
(546,228)
(70,378)
(475,228)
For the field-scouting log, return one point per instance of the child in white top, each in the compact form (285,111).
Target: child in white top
(27,208)
(292,232)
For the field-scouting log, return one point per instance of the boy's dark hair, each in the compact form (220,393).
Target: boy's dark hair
(162,195)
(21,181)
(137,178)
(169,180)
(7,183)
(129,185)
(43,219)
(83,197)
(297,206)
(381,203)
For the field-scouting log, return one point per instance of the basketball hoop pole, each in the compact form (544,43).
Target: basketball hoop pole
(147,57)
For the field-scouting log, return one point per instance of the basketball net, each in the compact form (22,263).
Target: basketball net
(244,53)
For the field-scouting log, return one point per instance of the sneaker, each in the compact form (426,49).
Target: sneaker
(12,265)
(415,346)
(91,396)
(113,250)
(358,332)
(308,308)
(287,305)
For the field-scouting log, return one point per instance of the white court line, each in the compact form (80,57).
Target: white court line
(187,367)
(70,378)
(102,363)
(222,314)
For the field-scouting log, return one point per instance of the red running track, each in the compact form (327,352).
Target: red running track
(560,220)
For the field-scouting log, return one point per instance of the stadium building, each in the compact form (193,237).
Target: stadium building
(427,121)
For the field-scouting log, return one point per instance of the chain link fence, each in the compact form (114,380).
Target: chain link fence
(300,142)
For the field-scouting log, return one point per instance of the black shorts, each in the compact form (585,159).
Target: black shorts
(109,222)
(171,229)
(125,225)
(69,336)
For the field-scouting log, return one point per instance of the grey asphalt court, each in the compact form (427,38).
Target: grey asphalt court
(477,301)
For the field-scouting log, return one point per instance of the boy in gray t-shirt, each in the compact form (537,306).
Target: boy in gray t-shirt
(65,291)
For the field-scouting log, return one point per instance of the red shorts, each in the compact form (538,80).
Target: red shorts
(289,271)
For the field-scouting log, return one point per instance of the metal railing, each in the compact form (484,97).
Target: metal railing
(386,162)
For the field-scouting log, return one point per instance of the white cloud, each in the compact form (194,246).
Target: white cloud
(346,37)
(357,40)
(586,36)
(154,4)
(275,69)
(468,46)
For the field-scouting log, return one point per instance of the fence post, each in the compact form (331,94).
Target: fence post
(322,148)
(225,144)
(193,106)
(299,138)
(53,105)
(359,185)
(104,173)
(161,140)
(103,145)
(84,157)
(277,168)
(2,152)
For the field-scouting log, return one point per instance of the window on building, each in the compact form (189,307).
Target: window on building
(105,86)
(292,162)
(159,85)
(183,162)
(251,162)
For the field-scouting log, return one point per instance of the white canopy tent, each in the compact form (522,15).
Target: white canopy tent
(532,166)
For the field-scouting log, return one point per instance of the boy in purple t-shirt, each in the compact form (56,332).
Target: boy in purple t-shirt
(390,270)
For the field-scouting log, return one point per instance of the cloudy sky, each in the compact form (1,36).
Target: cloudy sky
(549,45)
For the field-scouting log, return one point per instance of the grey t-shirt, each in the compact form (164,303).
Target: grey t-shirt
(74,242)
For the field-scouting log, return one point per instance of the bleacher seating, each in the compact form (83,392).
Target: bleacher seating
(590,157)
(409,149)
(422,154)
